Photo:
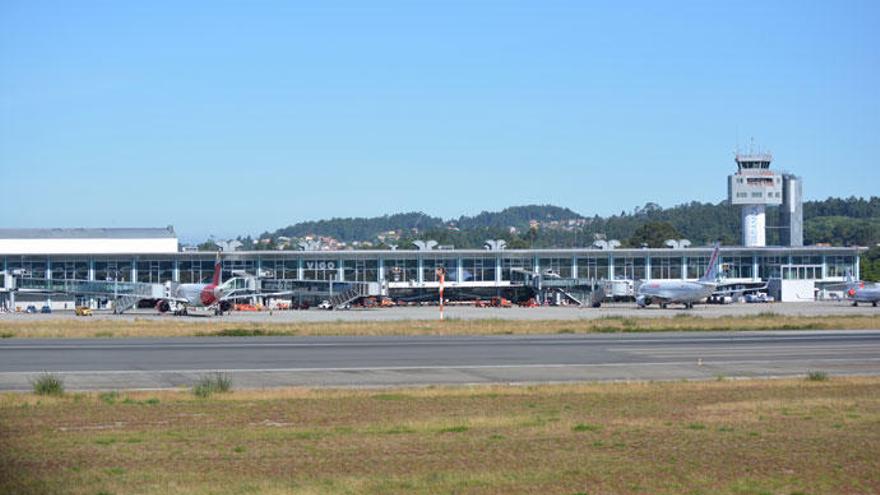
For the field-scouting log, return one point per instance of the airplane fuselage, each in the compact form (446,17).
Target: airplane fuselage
(199,295)
(865,295)
(674,292)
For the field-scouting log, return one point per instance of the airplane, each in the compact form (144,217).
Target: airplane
(214,295)
(859,293)
(681,292)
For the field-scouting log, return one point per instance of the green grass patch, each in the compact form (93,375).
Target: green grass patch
(696,426)
(817,376)
(211,384)
(48,384)
(6,335)
(455,429)
(246,332)
(109,397)
(585,427)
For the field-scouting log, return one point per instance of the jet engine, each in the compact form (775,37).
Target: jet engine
(163,306)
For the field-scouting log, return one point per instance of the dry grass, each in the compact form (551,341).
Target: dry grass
(736,437)
(173,327)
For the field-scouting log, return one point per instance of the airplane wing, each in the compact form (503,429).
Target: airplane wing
(730,290)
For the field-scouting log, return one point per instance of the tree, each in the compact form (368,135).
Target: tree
(869,265)
(653,234)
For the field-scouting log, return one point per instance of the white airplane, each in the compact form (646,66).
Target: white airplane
(859,293)
(215,295)
(681,292)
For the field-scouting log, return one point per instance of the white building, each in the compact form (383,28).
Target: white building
(88,241)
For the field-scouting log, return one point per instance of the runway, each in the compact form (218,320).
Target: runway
(91,364)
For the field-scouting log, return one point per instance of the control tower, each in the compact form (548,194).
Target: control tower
(754,186)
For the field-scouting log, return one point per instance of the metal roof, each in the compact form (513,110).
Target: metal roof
(94,233)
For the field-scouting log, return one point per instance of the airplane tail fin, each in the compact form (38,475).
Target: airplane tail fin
(712,270)
(852,283)
(218,270)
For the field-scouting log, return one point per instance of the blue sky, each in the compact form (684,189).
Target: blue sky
(237,117)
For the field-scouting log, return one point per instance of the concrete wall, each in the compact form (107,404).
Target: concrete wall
(792,290)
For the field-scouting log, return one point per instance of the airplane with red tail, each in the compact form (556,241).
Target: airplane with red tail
(214,295)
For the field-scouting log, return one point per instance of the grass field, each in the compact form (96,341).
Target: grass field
(173,327)
(730,437)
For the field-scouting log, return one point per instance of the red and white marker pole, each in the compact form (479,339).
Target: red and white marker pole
(442,274)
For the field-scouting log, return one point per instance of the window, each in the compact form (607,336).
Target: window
(360,270)
(593,267)
(629,268)
(195,270)
(430,265)
(512,268)
(478,269)
(401,270)
(154,271)
(770,267)
(696,266)
(666,267)
(280,268)
(70,270)
(113,270)
(737,266)
(838,266)
(559,266)
(320,269)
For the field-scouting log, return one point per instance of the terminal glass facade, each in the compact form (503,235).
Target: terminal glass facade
(593,267)
(559,266)
(360,270)
(666,267)
(401,270)
(478,269)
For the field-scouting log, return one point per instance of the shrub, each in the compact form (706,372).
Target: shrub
(817,376)
(213,383)
(48,384)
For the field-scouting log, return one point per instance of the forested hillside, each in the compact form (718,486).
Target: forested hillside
(837,221)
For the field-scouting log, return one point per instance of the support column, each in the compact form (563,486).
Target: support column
(93,303)
(647,267)
(380,266)
(610,267)
(134,264)
(300,271)
(574,267)
(175,270)
(498,267)
(756,274)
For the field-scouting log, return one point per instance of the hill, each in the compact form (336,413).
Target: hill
(836,221)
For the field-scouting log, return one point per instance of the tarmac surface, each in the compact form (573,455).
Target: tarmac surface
(260,362)
(469,312)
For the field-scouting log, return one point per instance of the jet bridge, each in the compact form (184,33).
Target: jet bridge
(550,286)
(125,294)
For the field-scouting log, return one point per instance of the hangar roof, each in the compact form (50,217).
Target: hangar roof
(96,233)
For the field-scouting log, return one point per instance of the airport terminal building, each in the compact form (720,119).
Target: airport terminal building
(153,256)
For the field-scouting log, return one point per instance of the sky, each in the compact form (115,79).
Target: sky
(229,117)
